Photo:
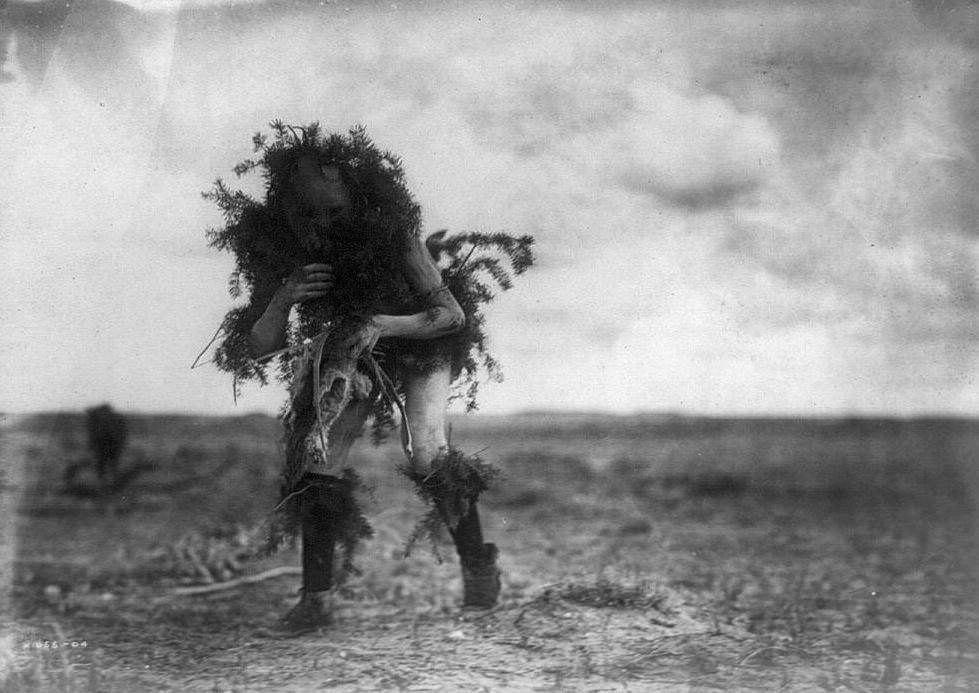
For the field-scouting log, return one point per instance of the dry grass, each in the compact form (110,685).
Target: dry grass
(608,594)
(638,555)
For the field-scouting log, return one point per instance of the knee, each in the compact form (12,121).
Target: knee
(424,454)
(428,442)
(453,480)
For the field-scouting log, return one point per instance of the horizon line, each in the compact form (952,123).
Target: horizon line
(661,414)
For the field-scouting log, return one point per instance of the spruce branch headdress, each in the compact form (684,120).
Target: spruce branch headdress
(271,238)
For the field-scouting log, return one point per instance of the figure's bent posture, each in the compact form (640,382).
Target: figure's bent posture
(318,195)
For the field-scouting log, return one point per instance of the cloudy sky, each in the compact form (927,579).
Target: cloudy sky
(740,207)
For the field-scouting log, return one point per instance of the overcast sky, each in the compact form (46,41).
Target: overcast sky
(739,207)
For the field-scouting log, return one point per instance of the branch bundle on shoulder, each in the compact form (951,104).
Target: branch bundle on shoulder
(475,266)
(450,488)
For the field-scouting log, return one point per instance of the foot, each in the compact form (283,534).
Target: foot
(313,611)
(481,580)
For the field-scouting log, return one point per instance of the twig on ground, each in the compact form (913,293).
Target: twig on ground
(773,648)
(237,582)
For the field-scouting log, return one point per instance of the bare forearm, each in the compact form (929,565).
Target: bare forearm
(304,284)
(437,321)
(269,331)
(444,316)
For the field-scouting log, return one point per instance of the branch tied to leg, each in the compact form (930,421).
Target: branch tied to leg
(451,489)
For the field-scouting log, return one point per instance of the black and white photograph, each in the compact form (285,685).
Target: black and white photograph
(521,345)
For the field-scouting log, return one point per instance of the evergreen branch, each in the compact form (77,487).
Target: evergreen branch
(208,346)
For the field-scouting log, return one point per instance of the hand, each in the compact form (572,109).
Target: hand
(306,283)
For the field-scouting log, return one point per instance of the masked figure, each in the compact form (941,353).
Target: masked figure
(375,324)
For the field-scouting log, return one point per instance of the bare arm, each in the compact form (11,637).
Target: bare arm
(269,331)
(444,315)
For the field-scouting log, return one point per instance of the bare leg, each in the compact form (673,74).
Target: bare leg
(426,403)
(323,507)
(343,434)
(330,499)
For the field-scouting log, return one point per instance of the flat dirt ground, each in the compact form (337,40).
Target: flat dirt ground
(639,554)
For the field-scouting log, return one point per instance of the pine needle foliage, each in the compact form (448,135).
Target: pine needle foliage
(339,495)
(353,528)
(271,238)
(475,266)
(454,483)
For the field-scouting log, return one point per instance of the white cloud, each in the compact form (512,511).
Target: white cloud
(889,229)
(689,148)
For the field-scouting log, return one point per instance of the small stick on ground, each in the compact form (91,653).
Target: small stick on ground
(237,582)
(198,564)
